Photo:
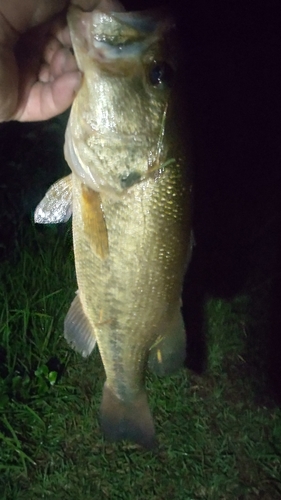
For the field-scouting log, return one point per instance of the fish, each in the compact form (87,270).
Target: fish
(130,197)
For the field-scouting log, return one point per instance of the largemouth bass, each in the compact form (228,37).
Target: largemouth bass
(129,195)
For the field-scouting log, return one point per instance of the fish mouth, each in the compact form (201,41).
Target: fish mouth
(110,35)
(135,33)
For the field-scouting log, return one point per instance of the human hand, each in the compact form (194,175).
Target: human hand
(38,72)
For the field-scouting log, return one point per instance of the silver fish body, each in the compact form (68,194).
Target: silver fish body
(131,207)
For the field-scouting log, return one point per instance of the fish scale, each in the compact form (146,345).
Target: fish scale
(140,256)
(130,195)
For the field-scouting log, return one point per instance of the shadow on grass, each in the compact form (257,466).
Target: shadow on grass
(237,178)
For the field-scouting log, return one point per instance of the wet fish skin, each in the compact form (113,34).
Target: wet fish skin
(117,109)
(131,210)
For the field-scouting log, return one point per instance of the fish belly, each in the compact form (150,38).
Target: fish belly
(130,292)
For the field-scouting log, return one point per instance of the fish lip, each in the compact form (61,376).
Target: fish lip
(145,28)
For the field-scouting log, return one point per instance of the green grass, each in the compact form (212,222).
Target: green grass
(216,440)
(219,435)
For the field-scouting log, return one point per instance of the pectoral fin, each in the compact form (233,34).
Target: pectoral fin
(94,221)
(56,205)
(77,330)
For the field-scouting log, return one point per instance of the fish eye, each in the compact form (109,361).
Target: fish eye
(160,74)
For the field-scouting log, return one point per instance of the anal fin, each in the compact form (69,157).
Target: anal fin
(169,353)
(131,420)
(77,330)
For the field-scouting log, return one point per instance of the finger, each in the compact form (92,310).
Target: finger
(8,83)
(46,10)
(105,5)
(52,47)
(50,99)
(44,74)
(58,37)
(86,5)
(63,62)
(58,62)
(60,31)
(22,15)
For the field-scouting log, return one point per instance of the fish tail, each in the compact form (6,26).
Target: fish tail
(168,355)
(127,420)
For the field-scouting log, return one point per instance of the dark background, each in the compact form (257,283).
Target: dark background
(230,86)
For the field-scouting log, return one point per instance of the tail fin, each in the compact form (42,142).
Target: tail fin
(127,420)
